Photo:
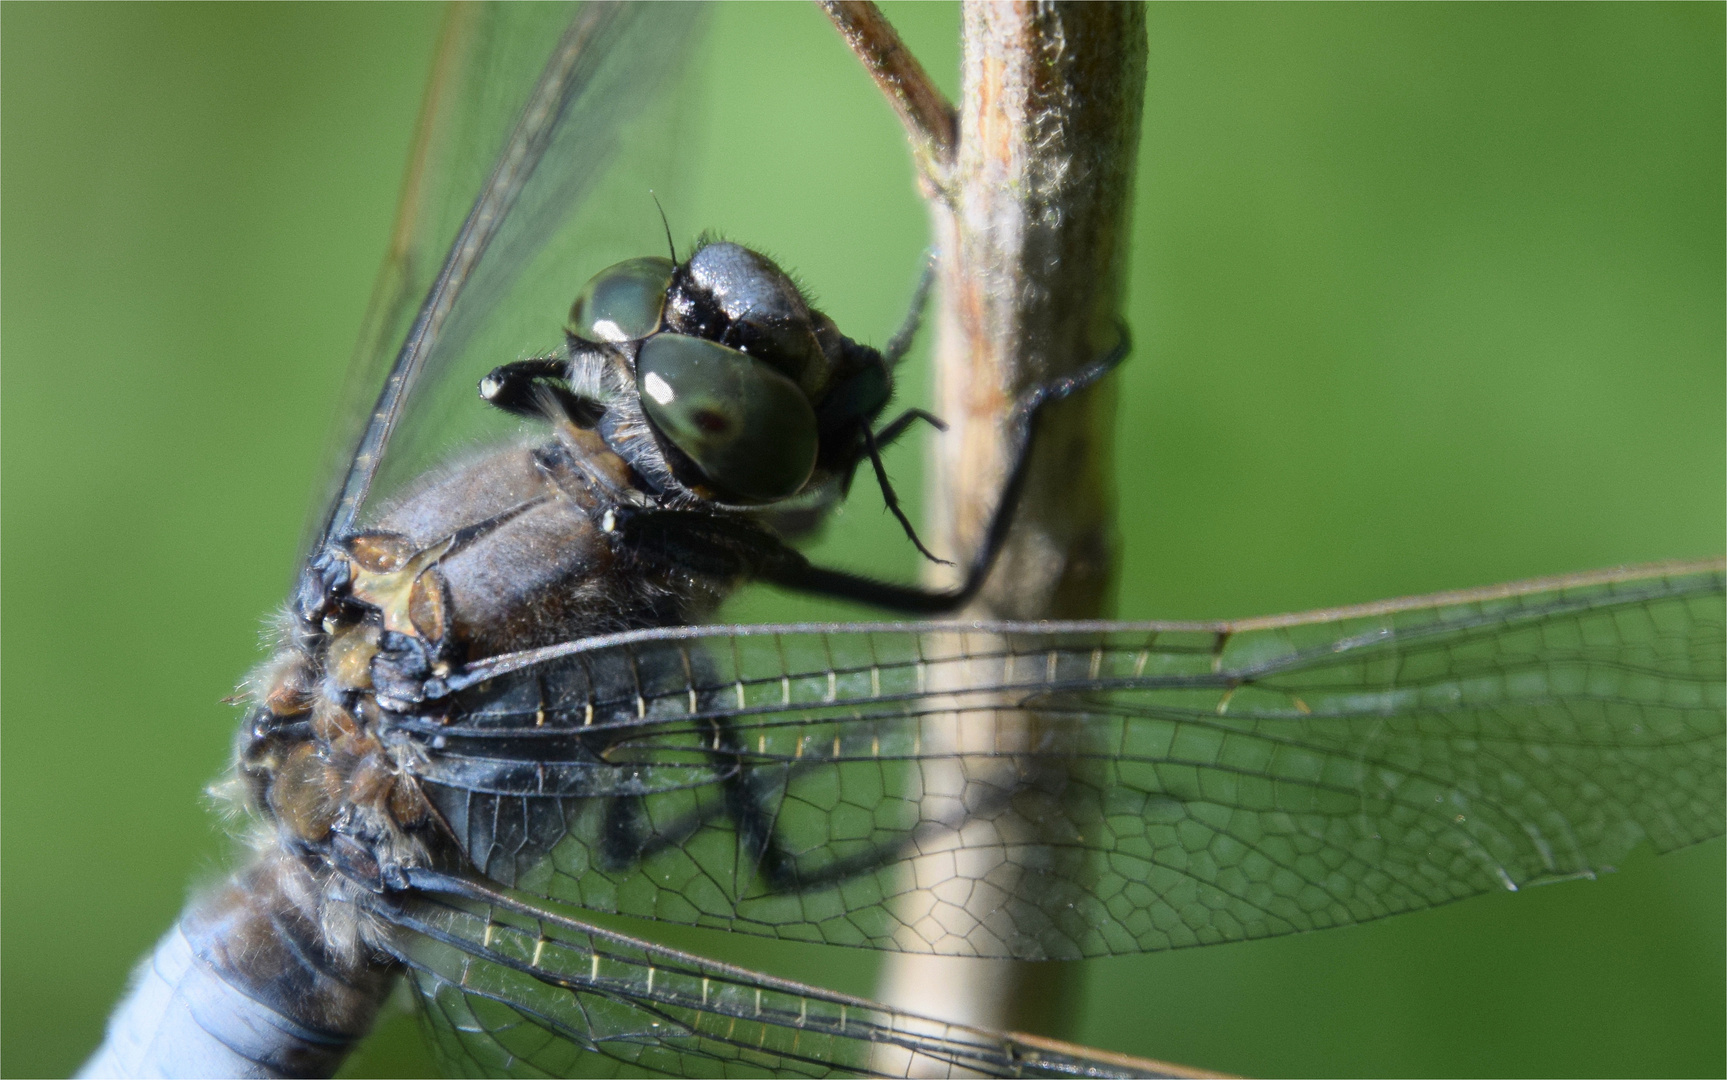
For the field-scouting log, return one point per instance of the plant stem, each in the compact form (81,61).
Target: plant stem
(1030,217)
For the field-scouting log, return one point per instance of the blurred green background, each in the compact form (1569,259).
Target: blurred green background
(1426,297)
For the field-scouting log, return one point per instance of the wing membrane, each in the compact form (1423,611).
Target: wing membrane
(512,988)
(528,106)
(1061,790)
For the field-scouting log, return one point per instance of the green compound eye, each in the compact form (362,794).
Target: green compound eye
(622,302)
(748,428)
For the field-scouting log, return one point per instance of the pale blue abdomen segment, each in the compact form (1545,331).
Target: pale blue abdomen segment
(182,1019)
(246,985)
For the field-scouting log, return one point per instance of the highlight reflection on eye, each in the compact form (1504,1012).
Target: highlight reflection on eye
(657,388)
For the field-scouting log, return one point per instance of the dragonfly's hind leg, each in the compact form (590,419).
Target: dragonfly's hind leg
(627,839)
(752,794)
(754,799)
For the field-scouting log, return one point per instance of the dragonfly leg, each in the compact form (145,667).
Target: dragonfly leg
(792,571)
(890,433)
(900,344)
(753,798)
(893,429)
(627,840)
(873,447)
(755,792)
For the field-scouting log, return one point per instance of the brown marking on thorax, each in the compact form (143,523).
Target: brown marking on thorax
(538,571)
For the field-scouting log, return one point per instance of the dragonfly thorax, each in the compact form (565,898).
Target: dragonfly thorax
(510,550)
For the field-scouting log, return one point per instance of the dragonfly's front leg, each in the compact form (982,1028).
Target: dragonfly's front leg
(766,558)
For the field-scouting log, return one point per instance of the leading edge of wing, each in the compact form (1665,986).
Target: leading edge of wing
(521,153)
(565,75)
(1676,578)
(401,278)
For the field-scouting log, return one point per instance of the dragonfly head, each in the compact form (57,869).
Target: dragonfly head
(751,397)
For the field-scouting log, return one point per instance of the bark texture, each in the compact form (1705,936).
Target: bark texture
(1030,216)
(1032,230)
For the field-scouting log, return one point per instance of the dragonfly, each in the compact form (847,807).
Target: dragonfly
(448,772)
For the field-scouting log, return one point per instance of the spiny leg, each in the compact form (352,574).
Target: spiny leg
(900,344)
(873,449)
(792,571)
(696,539)
(893,429)
(749,798)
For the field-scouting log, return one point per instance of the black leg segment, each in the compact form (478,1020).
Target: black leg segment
(795,572)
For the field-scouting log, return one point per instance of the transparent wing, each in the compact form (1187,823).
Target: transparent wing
(509,988)
(511,199)
(1072,790)
(478,84)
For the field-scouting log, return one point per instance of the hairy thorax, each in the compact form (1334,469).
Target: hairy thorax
(508,551)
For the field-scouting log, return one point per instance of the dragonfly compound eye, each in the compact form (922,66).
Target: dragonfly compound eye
(747,427)
(623,302)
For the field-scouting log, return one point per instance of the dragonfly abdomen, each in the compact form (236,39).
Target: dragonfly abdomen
(279,972)
(249,983)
